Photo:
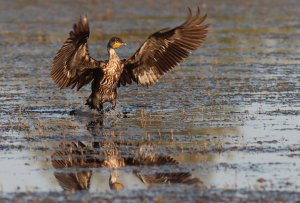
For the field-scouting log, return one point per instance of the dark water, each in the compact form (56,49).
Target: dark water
(228,115)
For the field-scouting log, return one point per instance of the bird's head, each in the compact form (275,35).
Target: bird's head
(114,176)
(115,43)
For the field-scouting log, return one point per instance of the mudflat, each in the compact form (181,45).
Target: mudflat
(225,124)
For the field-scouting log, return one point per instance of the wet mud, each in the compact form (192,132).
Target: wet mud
(222,127)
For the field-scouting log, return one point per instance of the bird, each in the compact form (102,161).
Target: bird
(160,53)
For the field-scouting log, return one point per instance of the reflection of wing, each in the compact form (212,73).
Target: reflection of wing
(146,158)
(72,182)
(184,178)
(79,156)
(151,159)
(72,157)
(163,50)
(72,64)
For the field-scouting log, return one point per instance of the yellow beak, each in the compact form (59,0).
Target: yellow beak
(118,45)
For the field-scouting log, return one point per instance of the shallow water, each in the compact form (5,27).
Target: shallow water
(229,115)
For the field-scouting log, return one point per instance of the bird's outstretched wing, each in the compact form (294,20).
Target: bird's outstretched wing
(150,159)
(72,64)
(163,50)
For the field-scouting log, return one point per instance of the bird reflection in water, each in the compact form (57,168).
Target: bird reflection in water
(75,161)
(113,184)
(146,158)
(74,157)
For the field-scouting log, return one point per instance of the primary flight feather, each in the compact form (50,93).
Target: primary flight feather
(160,53)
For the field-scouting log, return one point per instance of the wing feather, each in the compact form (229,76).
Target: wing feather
(164,50)
(73,59)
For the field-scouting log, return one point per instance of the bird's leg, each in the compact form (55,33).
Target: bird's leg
(114,100)
(90,102)
(113,104)
(100,108)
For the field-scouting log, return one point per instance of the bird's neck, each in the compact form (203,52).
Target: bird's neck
(112,179)
(113,56)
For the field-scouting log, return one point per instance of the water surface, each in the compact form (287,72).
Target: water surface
(229,115)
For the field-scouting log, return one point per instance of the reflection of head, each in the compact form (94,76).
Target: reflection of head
(113,184)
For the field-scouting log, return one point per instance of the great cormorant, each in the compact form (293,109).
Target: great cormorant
(160,53)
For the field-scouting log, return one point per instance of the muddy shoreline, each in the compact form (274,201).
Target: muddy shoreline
(169,195)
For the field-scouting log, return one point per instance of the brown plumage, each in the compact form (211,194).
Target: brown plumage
(113,184)
(160,53)
(75,162)
(72,157)
(146,157)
